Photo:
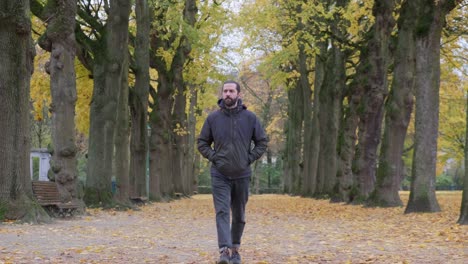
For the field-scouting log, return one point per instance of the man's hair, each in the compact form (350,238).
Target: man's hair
(236,83)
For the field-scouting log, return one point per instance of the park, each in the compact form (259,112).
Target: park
(346,120)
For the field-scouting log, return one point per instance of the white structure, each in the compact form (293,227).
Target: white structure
(44,165)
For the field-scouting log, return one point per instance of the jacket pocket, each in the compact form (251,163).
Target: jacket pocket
(230,163)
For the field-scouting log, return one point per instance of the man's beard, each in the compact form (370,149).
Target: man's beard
(229,102)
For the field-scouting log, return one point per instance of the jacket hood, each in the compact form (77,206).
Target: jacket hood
(240,106)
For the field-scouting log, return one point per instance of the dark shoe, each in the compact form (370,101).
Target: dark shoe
(235,256)
(223,256)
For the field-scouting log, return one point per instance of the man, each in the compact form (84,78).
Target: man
(232,128)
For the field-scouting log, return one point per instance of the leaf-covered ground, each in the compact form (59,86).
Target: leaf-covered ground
(280,229)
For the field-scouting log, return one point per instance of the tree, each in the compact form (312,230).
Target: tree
(160,117)
(109,68)
(398,110)
(330,96)
(119,28)
(172,35)
(139,101)
(427,81)
(304,59)
(453,88)
(17,57)
(292,28)
(59,40)
(359,30)
(182,168)
(41,94)
(463,220)
(376,58)
(312,136)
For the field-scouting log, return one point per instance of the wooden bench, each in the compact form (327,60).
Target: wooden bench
(139,200)
(48,196)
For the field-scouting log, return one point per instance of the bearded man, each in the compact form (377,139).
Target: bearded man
(232,129)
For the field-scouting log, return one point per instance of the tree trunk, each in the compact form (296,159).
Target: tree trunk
(179,124)
(463,220)
(312,150)
(161,138)
(377,58)
(139,102)
(330,100)
(170,118)
(347,140)
(109,67)
(428,31)
(397,113)
(61,43)
(337,184)
(122,127)
(270,168)
(101,142)
(255,179)
(266,120)
(192,166)
(292,167)
(332,90)
(16,68)
(161,186)
(196,170)
(122,144)
(182,163)
(306,175)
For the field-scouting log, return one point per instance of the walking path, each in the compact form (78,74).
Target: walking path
(280,229)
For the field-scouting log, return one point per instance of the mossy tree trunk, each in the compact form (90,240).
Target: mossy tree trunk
(191,167)
(335,185)
(171,170)
(376,62)
(162,136)
(292,166)
(331,106)
(161,139)
(16,67)
(182,168)
(180,128)
(312,135)
(160,145)
(398,110)
(330,100)
(119,52)
(109,66)
(307,109)
(428,30)
(299,97)
(346,145)
(98,189)
(139,102)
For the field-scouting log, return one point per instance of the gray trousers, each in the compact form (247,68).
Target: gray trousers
(230,195)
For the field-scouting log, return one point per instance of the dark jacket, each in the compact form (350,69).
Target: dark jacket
(232,131)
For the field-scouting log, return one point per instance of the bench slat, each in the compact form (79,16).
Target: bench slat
(47,194)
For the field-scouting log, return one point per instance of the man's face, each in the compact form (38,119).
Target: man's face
(230,94)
